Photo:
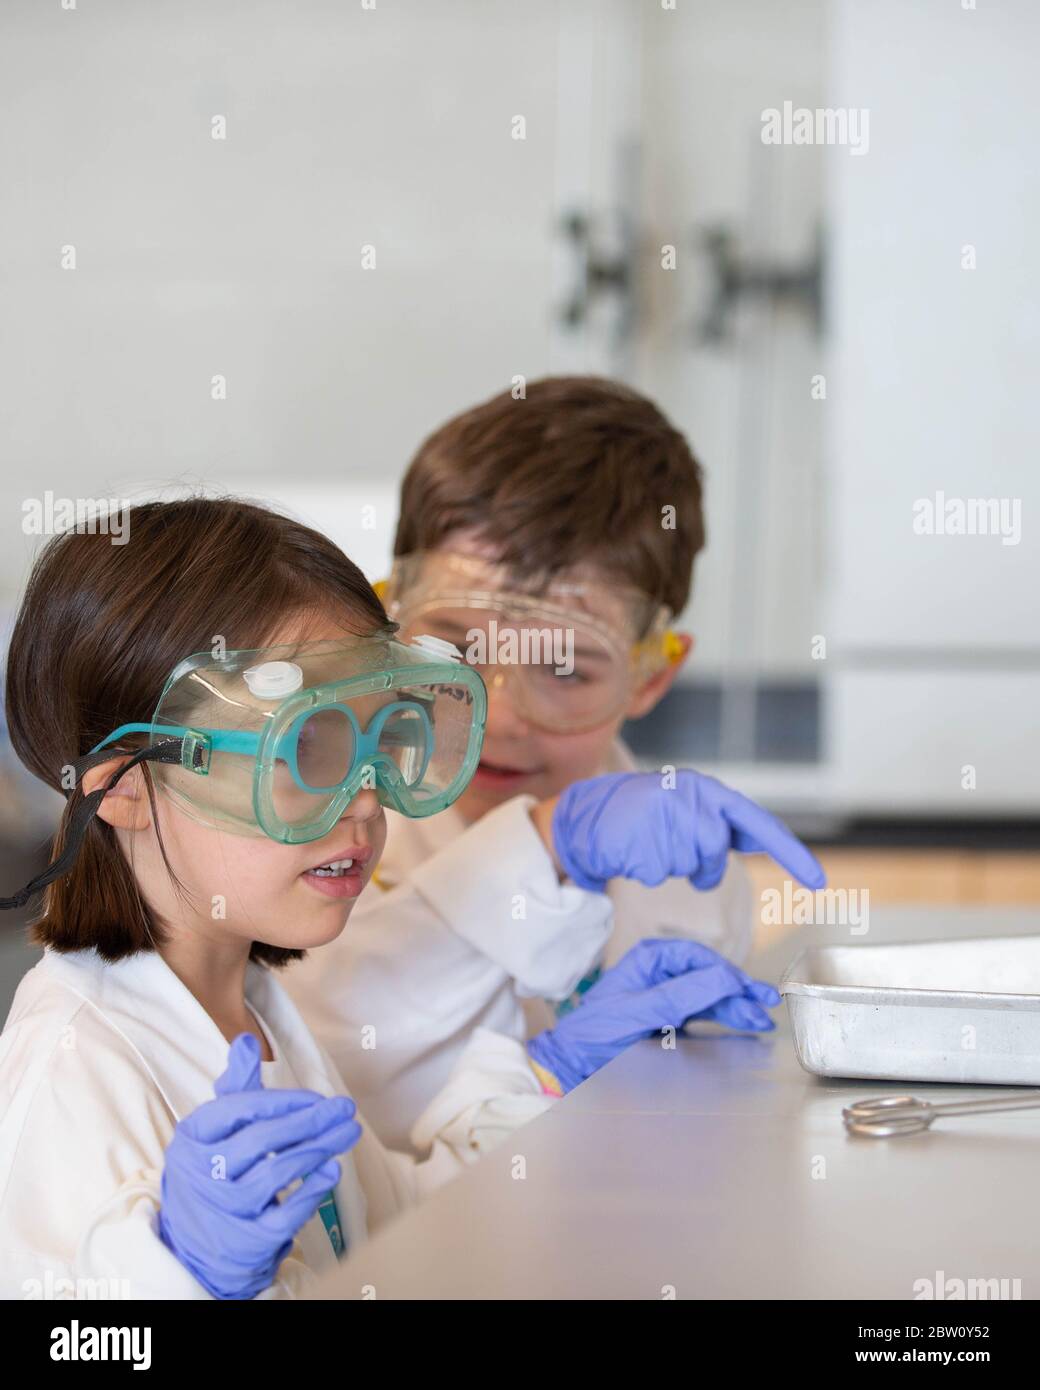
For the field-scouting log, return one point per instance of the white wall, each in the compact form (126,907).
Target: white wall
(243,257)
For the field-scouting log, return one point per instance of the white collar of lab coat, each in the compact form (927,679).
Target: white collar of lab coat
(182,1048)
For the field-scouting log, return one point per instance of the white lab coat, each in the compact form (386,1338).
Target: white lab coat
(475,929)
(99,1061)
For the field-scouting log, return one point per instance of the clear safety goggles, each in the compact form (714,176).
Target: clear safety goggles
(569,656)
(280,741)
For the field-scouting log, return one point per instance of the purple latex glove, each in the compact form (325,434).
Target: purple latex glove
(657,984)
(630,825)
(226,1164)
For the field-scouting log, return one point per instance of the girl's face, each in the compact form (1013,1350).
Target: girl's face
(249,886)
(256,888)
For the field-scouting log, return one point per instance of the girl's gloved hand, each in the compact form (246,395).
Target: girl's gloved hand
(228,1160)
(658,984)
(630,825)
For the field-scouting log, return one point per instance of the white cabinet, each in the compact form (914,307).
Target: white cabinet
(934,639)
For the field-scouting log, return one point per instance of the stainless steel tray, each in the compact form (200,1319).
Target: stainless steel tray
(940,1011)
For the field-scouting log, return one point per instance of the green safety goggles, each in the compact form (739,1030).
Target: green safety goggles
(279,741)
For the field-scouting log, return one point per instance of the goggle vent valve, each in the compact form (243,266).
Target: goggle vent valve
(273,680)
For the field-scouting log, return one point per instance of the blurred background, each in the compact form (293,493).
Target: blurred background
(840,332)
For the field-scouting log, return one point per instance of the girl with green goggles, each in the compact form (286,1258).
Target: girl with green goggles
(278,741)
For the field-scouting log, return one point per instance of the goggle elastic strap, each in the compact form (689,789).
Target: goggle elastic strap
(169,751)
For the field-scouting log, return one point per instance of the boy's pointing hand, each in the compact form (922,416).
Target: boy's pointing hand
(639,825)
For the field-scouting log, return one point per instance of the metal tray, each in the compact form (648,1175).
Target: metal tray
(943,1011)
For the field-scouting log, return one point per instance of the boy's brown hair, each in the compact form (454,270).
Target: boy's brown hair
(579,472)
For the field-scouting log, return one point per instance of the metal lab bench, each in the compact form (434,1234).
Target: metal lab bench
(722,1170)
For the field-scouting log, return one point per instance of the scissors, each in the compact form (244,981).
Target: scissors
(884,1116)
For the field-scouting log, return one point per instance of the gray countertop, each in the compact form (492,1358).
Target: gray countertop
(720,1169)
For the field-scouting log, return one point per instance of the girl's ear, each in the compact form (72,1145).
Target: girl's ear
(651,692)
(126,806)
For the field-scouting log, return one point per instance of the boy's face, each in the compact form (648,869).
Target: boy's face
(522,757)
(519,759)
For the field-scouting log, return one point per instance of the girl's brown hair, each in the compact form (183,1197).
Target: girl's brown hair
(100,628)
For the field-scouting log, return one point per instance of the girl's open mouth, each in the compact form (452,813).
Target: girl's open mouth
(339,878)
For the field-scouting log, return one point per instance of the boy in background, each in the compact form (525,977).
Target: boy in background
(552,541)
